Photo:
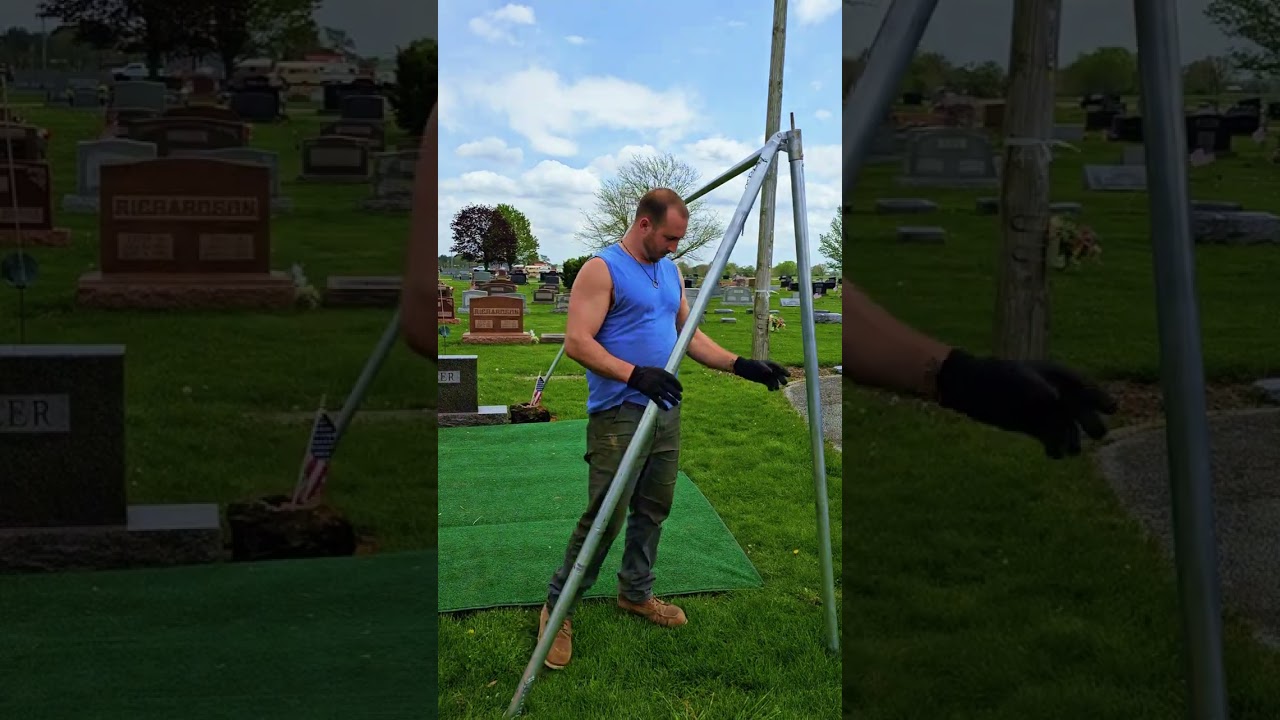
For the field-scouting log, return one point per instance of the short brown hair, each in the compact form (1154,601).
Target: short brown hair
(655,204)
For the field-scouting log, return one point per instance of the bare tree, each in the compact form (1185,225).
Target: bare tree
(616,202)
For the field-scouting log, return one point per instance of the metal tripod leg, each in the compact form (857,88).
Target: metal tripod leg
(1181,359)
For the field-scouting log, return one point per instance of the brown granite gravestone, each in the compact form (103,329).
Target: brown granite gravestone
(493,287)
(446,311)
(350,291)
(25,141)
(497,321)
(63,488)
(370,131)
(188,133)
(119,120)
(205,112)
(544,295)
(34,215)
(335,159)
(185,233)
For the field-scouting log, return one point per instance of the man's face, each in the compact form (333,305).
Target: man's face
(661,240)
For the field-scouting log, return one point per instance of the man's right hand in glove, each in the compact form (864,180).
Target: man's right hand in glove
(658,385)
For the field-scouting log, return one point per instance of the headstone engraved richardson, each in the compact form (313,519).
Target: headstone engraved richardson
(91,155)
(381,291)
(63,499)
(335,159)
(497,320)
(185,233)
(458,395)
(393,180)
(950,158)
(373,133)
(31,222)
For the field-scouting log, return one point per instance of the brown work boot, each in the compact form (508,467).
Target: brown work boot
(656,611)
(562,649)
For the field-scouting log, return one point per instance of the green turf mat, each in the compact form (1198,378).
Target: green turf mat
(330,638)
(509,497)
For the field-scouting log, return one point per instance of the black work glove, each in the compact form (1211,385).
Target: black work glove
(766,372)
(657,384)
(1046,401)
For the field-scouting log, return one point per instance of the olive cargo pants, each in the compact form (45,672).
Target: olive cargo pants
(649,498)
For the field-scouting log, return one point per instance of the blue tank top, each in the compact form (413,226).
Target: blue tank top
(640,328)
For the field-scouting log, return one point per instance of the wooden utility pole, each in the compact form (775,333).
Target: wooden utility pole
(1022,292)
(769,190)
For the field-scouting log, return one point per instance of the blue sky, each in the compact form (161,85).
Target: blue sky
(540,102)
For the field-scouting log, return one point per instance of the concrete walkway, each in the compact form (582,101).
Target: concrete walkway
(830,395)
(1245,448)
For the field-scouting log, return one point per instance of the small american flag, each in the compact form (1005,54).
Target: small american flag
(538,387)
(315,469)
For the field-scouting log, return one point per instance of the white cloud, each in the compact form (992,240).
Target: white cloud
(495,26)
(816,85)
(491,148)
(574,39)
(812,12)
(550,113)
(823,114)
(554,195)
(736,23)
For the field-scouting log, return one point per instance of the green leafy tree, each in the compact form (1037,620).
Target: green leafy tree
(928,72)
(987,80)
(618,197)
(569,269)
(1206,76)
(831,245)
(786,267)
(154,28)
(1110,70)
(417,76)
(235,29)
(1256,22)
(526,241)
(481,234)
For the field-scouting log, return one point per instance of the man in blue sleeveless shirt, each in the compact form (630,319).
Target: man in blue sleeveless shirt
(625,312)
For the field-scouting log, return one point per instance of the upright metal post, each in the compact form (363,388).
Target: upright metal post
(1181,359)
(865,108)
(813,390)
(630,459)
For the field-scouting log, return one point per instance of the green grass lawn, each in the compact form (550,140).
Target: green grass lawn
(745,654)
(198,383)
(988,582)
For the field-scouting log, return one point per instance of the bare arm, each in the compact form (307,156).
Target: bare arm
(881,351)
(702,349)
(418,296)
(588,306)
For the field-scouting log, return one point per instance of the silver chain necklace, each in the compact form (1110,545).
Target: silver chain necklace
(653,279)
